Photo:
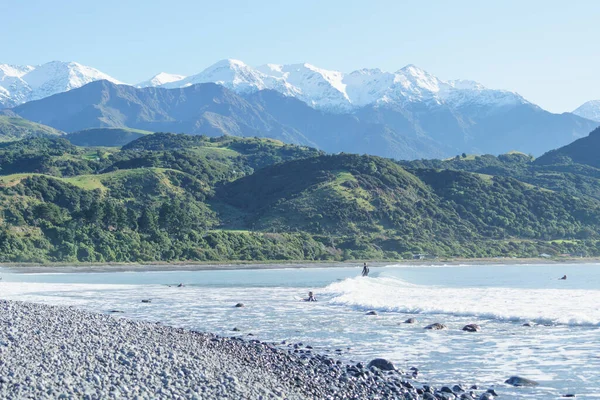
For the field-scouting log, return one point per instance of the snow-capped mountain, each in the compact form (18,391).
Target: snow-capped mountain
(336,91)
(589,110)
(20,84)
(160,79)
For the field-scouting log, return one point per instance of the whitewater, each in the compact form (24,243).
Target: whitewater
(559,349)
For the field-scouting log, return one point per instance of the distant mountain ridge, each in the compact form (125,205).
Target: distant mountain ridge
(336,91)
(414,130)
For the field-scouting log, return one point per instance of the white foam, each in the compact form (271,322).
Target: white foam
(554,306)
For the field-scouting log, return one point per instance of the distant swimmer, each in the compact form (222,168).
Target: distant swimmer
(564,278)
(311,297)
(180,285)
(365,270)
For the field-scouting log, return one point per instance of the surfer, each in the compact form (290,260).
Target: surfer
(564,278)
(180,285)
(365,270)
(311,297)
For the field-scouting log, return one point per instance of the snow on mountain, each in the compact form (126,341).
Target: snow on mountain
(25,83)
(336,91)
(320,88)
(232,74)
(160,79)
(589,110)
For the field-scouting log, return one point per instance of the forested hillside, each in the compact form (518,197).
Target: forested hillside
(166,197)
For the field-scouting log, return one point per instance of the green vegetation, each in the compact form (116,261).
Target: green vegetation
(15,128)
(166,197)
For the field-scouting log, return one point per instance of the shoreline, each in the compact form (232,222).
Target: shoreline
(25,268)
(62,352)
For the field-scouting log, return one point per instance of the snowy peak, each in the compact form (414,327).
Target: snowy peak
(18,71)
(233,74)
(335,91)
(25,83)
(56,77)
(160,79)
(589,110)
(321,88)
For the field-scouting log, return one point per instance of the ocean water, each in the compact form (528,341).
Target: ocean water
(561,350)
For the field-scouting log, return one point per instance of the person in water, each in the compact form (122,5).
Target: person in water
(365,270)
(564,278)
(311,297)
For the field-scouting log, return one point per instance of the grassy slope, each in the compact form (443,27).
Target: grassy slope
(12,128)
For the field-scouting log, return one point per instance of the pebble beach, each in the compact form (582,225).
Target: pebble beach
(49,352)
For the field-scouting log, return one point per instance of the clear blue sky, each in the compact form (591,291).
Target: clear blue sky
(548,51)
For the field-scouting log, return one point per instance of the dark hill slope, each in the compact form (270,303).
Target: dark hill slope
(582,151)
(15,128)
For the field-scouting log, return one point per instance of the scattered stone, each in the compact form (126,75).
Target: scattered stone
(436,326)
(98,356)
(518,381)
(239,305)
(471,328)
(492,392)
(236,329)
(410,321)
(382,364)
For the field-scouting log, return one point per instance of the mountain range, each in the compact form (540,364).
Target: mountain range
(406,114)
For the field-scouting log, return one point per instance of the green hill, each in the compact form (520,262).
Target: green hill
(14,128)
(582,151)
(165,197)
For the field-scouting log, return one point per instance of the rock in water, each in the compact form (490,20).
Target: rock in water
(436,327)
(518,381)
(471,328)
(382,364)
(410,321)
(146,301)
(239,305)
(371,313)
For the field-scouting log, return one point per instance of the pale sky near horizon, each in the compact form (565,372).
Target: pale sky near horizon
(548,51)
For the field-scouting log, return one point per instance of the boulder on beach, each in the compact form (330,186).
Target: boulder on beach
(382,364)
(471,328)
(518,381)
(436,327)
(239,305)
(410,321)
(371,313)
